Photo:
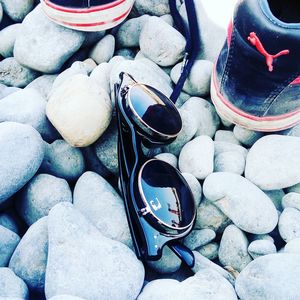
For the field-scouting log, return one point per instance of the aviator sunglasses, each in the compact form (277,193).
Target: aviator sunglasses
(159,204)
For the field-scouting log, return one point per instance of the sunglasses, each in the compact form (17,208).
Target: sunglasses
(159,204)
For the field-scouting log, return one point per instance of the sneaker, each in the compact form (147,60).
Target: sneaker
(256,79)
(87,15)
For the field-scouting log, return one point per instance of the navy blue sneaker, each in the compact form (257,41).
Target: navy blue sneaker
(87,15)
(256,80)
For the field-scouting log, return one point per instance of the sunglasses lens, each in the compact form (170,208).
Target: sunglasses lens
(167,194)
(154,109)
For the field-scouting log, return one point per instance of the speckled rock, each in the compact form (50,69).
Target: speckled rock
(199,238)
(40,194)
(195,187)
(261,247)
(272,162)
(246,136)
(289,224)
(43,84)
(29,260)
(169,158)
(8,37)
(244,203)
(293,246)
(37,44)
(276,197)
(152,7)
(209,250)
(230,161)
(17,9)
(291,200)
(103,51)
(84,263)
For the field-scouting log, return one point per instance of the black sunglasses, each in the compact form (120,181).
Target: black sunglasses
(159,203)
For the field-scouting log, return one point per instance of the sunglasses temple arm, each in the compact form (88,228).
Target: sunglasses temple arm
(184,253)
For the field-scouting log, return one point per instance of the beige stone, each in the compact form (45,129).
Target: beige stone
(80,110)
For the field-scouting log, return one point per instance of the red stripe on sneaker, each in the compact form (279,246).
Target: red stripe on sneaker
(296,81)
(229,32)
(83,10)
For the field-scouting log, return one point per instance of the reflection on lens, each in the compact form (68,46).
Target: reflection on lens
(155,109)
(167,194)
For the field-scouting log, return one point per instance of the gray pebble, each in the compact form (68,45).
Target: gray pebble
(101,74)
(289,224)
(169,158)
(261,247)
(233,251)
(195,187)
(17,9)
(291,200)
(230,161)
(14,74)
(226,136)
(11,286)
(246,136)
(43,85)
(152,7)
(8,243)
(221,147)
(276,197)
(293,246)
(168,19)
(20,156)
(8,37)
(30,257)
(198,238)
(40,194)
(103,51)
(210,250)
(126,53)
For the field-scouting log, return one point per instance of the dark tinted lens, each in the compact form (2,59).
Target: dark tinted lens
(155,109)
(167,194)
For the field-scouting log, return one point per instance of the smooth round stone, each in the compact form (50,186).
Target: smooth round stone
(128,34)
(198,81)
(127,53)
(161,42)
(276,197)
(14,74)
(36,45)
(8,37)
(221,147)
(80,110)
(294,188)
(289,224)
(205,114)
(189,128)
(43,85)
(233,251)
(169,158)
(11,286)
(103,51)
(210,250)
(168,263)
(42,193)
(84,263)
(261,247)
(231,161)
(198,238)
(205,284)
(246,136)
(273,276)
(291,200)
(293,246)
(209,216)
(100,203)
(9,221)
(226,136)
(63,160)
(152,7)
(21,154)
(101,75)
(195,187)
(8,242)
(27,106)
(197,157)
(106,148)
(273,162)
(244,203)
(29,260)
(17,9)
(66,297)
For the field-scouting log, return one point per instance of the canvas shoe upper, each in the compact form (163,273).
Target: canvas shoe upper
(256,81)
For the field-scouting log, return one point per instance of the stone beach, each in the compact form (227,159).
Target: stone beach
(63,228)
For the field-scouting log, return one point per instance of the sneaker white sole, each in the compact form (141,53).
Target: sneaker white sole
(96,18)
(234,115)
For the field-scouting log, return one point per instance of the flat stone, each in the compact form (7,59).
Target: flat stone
(291,199)
(261,247)
(230,161)
(210,250)
(169,158)
(17,9)
(29,259)
(293,246)
(103,51)
(273,276)
(246,136)
(8,36)
(244,203)
(289,224)
(272,162)
(198,238)
(195,187)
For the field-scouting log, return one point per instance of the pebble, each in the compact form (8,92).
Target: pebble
(84,263)
(99,202)
(169,158)
(8,36)
(291,199)
(207,118)
(230,161)
(226,136)
(276,197)
(43,84)
(246,136)
(195,187)
(20,156)
(80,110)
(273,276)
(198,82)
(7,91)
(103,51)
(127,53)
(221,147)
(101,75)
(17,9)
(40,194)
(293,246)
(29,259)
(168,19)
(244,203)
(9,220)
(14,74)
(259,248)
(198,238)
(8,243)
(289,224)
(161,42)
(11,286)
(272,162)
(197,157)
(62,160)
(36,45)
(210,250)
(152,7)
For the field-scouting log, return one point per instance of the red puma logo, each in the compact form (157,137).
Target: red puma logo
(254,40)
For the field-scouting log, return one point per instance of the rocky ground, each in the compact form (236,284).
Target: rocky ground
(63,228)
